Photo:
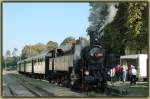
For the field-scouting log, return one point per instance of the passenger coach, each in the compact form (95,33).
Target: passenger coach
(35,66)
(58,62)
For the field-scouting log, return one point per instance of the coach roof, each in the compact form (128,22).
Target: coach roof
(41,55)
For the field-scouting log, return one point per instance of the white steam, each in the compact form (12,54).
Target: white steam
(83,42)
(77,52)
(112,10)
(101,14)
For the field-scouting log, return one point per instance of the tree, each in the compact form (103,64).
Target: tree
(39,47)
(8,53)
(32,50)
(115,33)
(107,18)
(9,61)
(15,58)
(137,23)
(128,30)
(26,52)
(101,14)
(51,45)
(68,40)
(14,53)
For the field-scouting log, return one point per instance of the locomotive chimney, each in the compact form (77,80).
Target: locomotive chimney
(93,36)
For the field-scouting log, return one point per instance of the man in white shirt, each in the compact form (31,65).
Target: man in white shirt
(133,75)
(112,75)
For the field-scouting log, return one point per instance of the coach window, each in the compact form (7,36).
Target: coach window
(30,62)
(41,60)
(35,61)
(59,59)
(38,61)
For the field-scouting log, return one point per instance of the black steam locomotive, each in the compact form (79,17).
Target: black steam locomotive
(90,71)
(81,66)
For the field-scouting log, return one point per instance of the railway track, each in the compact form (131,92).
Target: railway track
(35,90)
(16,85)
(40,89)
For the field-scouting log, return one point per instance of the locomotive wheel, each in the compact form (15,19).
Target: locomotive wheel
(77,86)
(102,86)
(80,86)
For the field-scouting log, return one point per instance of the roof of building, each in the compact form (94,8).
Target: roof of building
(134,56)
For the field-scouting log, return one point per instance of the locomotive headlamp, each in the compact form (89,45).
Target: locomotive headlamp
(96,39)
(86,73)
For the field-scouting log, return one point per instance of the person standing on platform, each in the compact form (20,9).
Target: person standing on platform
(124,73)
(118,72)
(112,75)
(133,75)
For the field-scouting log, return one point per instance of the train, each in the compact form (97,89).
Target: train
(78,66)
(82,66)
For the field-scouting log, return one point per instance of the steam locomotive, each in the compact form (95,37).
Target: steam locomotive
(81,66)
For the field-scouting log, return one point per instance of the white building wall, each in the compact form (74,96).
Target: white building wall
(143,65)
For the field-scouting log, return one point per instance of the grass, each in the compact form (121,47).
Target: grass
(140,89)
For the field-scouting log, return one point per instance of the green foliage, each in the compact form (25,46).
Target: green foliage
(114,37)
(137,26)
(26,51)
(128,30)
(14,53)
(68,40)
(11,62)
(10,59)
(8,53)
(51,45)
(32,50)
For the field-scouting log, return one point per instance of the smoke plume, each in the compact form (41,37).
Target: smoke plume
(101,14)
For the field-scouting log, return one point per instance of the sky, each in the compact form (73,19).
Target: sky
(31,23)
